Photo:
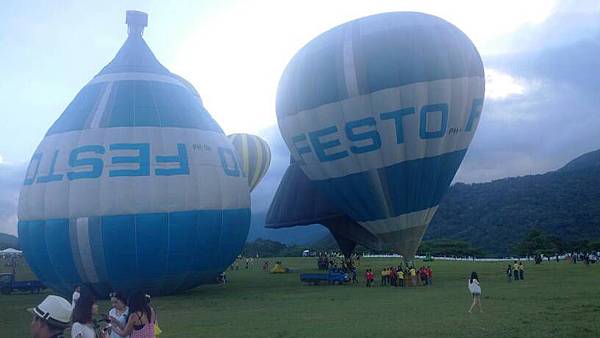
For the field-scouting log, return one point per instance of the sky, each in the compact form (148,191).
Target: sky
(540,60)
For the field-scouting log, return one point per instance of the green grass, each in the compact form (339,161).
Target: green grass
(555,300)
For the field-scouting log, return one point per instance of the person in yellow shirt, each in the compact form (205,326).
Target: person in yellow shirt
(413,275)
(521,271)
(383,273)
(401,277)
(516,270)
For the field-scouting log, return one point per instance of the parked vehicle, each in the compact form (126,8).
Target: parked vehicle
(329,278)
(8,284)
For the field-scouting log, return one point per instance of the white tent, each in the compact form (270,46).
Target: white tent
(10,252)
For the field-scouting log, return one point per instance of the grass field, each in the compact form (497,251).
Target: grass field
(555,300)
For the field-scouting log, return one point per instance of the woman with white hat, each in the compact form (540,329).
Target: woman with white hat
(51,317)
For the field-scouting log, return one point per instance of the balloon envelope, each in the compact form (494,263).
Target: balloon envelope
(298,202)
(255,156)
(379,113)
(135,187)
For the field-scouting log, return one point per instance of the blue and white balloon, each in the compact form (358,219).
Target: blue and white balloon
(135,187)
(379,113)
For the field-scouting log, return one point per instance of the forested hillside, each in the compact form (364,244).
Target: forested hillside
(494,216)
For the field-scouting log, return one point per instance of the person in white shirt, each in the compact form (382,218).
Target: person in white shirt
(83,323)
(475,289)
(76,295)
(118,313)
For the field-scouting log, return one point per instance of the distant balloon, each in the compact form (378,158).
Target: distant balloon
(379,113)
(135,187)
(255,156)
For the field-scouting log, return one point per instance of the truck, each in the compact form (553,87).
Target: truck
(8,284)
(330,277)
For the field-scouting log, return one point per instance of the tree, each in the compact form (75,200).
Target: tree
(444,247)
(535,243)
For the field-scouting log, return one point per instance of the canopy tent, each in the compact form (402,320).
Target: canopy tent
(11,251)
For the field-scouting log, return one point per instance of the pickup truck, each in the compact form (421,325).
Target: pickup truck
(329,278)
(8,284)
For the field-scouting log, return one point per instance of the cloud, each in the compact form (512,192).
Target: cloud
(499,86)
(11,178)
(551,119)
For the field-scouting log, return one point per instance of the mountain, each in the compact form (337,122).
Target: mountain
(585,161)
(8,241)
(494,216)
(296,235)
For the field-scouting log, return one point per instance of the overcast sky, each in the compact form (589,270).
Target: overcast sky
(540,57)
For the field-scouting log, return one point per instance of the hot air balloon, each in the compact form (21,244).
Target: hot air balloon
(298,202)
(254,154)
(378,113)
(135,187)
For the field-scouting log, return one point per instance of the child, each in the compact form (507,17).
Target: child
(509,272)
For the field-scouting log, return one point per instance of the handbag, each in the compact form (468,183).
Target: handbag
(157,330)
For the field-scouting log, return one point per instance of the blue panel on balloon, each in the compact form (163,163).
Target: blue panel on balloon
(118,235)
(182,241)
(59,250)
(151,243)
(208,227)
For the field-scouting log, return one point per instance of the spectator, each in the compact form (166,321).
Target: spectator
(475,289)
(393,276)
(423,275)
(83,323)
(76,294)
(51,317)
(401,277)
(413,275)
(370,278)
(140,323)
(509,272)
(521,271)
(429,273)
(118,313)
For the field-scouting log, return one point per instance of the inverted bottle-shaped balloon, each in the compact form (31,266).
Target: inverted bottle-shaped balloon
(379,112)
(135,187)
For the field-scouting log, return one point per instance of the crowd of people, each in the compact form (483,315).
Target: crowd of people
(396,276)
(132,317)
(515,271)
(329,262)
(409,276)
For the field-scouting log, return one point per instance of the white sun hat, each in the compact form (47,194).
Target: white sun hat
(55,310)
